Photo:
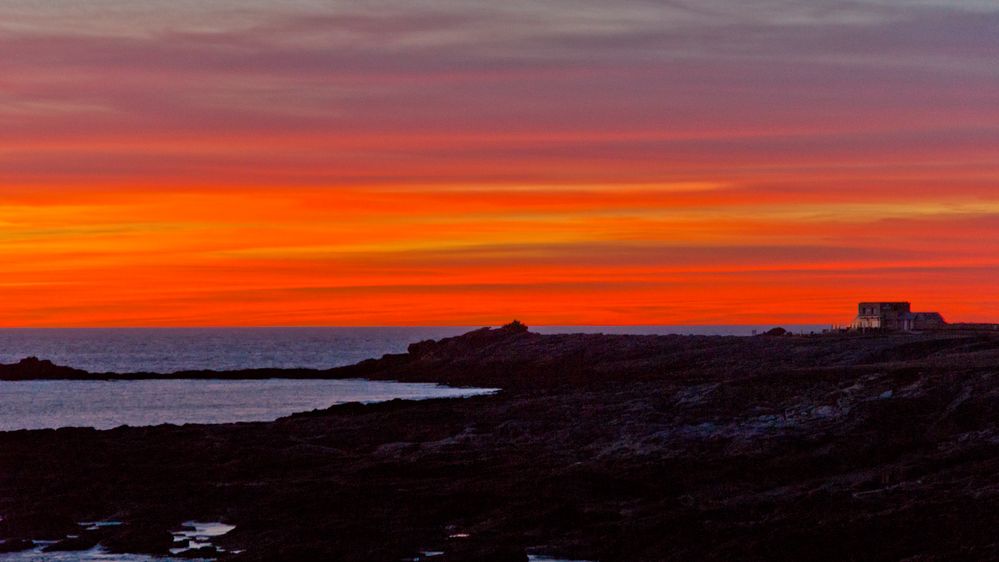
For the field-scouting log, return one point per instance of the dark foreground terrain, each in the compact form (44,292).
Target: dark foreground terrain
(600,448)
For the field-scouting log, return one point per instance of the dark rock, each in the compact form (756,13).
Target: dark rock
(35,368)
(515,327)
(39,525)
(16,545)
(422,348)
(203,552)
(474,551)
(139,539)
(85,541)
(180,543)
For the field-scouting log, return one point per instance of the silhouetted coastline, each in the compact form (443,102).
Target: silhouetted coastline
(600,447)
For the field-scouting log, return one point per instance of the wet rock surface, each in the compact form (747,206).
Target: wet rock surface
(142,538)
(74,543)
(15,545)
(600,447)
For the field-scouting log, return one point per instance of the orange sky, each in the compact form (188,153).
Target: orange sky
(439,162)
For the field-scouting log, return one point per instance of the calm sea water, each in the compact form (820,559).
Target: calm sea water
(168,350)
(108,404)
(93,555)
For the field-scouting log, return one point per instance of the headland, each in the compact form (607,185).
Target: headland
(600,447)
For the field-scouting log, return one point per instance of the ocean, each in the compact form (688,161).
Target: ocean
(167,350)
(109,404)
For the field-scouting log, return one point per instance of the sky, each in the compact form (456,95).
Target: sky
(457,162)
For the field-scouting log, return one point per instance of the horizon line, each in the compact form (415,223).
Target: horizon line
(370,326)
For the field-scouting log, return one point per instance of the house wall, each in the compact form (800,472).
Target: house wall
(895,317)
(866,322)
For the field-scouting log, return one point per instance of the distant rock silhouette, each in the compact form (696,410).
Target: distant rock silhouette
(35,368)
(516,327)
(475,339)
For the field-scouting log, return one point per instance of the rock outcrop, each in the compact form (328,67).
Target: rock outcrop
(33,368)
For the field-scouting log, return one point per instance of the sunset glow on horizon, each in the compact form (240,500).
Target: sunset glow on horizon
(445,162)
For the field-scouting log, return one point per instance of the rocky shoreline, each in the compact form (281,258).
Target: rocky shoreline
(600,447)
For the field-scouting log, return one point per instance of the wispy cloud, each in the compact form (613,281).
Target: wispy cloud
(452,161)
